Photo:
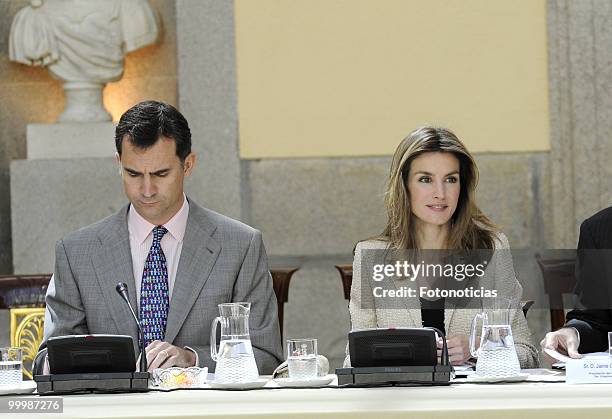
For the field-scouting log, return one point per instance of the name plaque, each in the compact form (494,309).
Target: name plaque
(589,370)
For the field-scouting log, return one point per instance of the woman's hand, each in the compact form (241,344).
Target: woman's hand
(458,348)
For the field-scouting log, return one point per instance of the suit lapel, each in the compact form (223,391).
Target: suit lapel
(112,264)
(198,256)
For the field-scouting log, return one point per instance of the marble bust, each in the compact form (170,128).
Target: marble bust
(83,43)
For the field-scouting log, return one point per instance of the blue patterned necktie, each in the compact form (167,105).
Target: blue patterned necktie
(154,295)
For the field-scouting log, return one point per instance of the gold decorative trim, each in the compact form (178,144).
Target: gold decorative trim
(27,331)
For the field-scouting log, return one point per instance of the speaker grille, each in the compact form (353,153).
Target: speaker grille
(393,347)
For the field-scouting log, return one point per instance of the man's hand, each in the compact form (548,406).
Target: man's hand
(458,349)
(163,355)
(564,340)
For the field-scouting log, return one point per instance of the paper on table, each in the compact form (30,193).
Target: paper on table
(464,370)
(540,375)
(557,355)
(564,358)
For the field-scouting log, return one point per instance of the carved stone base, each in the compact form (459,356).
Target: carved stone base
(84,103)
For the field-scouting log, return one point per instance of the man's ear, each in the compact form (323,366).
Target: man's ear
(118,160)
(189,164)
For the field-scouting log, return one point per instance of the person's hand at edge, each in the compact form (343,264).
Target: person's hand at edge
(565,341)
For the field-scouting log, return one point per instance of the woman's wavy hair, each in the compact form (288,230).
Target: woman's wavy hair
(470,228)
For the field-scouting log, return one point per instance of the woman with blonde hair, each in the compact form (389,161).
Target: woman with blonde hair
(430,202)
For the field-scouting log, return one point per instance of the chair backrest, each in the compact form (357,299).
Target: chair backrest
(346,274)
(559,278)
(23,290)
(281,278)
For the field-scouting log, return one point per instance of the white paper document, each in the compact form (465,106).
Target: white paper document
(564,358)
(558,356)
(463,370)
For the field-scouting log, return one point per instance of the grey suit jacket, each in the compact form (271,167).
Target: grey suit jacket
(222,260)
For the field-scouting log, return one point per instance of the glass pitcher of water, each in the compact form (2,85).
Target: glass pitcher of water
(496,355)
(235,359)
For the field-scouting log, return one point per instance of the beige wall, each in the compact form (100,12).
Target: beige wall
(353,77)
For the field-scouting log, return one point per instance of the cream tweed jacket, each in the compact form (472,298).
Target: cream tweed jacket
(499,271)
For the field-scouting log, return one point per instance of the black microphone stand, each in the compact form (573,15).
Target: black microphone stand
(122,291)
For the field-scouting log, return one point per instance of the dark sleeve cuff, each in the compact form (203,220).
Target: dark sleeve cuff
(591,339)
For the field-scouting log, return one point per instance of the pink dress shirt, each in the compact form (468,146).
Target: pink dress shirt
(141,238)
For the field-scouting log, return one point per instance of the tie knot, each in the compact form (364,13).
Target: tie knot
(158,233)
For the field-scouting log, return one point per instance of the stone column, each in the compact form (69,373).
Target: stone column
(580,77)
(207,98)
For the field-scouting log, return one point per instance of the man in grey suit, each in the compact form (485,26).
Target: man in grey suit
(178,259)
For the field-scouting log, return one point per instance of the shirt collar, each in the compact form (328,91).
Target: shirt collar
(140,228)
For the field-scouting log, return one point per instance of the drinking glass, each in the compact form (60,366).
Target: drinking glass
(302,359)
(10,367)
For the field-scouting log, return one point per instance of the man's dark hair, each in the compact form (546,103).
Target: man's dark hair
(146,121)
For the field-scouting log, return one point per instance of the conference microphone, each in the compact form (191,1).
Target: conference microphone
(122,291)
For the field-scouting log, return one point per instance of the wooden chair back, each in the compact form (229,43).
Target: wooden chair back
(281,278)
(559,278)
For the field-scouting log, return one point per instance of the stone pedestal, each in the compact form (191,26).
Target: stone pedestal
(69,180)
(52,197)
(70,140)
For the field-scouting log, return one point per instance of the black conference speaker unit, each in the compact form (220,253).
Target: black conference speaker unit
(91,363)
(395,356)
